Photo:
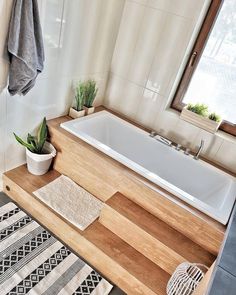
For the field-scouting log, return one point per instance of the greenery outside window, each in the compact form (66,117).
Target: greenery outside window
(210,75)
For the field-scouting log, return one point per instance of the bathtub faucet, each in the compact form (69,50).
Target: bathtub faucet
(153,133)
(196,157)
(160,138)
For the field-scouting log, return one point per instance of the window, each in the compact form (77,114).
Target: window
(210,75)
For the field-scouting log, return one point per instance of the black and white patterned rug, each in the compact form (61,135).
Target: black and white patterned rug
(33,262)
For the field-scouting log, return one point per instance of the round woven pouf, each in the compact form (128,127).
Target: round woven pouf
(185,278)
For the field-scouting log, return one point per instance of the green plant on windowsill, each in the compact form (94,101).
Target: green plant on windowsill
(198,114)
(215,117)
(198,108)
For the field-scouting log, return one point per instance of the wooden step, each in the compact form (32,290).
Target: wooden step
(103,176)
(110,255)
(150,236)
(147,272)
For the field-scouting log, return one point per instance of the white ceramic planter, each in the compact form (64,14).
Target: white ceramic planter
(199,121)
(89,111)
(76,114)
(39,164)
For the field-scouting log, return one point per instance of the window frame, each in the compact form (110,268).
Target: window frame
(195,56)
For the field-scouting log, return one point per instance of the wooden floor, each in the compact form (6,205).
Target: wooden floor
(121,258)
(159,241)
(110,255)
(4,199)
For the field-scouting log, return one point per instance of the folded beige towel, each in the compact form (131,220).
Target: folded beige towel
(71,201)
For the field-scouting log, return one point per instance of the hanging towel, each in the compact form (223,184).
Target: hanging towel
(25,46)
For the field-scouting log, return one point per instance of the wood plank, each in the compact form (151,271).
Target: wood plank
(203,286)
(140,240)
(142,223)
(103,176)
(106,252)
(139,266)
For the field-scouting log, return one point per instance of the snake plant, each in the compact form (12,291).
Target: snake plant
(35,144)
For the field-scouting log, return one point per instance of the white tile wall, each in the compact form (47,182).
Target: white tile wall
(227,155)
(153,44)
(126,96)
(139,44)
(185,8)
(2,130)
(79,38)
(146,46)
(169,53)
(126,41)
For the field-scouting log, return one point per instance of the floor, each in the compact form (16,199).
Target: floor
(4,199)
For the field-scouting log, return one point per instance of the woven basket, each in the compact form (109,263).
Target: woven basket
(186,278)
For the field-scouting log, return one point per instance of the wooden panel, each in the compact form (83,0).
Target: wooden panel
(141,240)
(103,176)
(111,256)
(139,266)
(203,286)
(159,230)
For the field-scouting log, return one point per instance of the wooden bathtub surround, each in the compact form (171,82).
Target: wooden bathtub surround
(103,177)
(113,252)
(110,255)
(141,235)
(203,286)
(151,236)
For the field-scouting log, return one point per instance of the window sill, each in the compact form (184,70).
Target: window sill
(221,134)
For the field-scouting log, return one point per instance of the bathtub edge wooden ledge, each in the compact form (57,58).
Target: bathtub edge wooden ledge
(123,259)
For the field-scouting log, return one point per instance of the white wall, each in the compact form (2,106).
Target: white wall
(79,37)
(152,47)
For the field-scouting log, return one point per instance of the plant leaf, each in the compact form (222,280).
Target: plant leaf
(42,135)
(25,144)
(32,140)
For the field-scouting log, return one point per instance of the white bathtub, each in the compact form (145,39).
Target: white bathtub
(194,181)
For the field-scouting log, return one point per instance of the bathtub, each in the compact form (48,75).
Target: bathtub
(196,182)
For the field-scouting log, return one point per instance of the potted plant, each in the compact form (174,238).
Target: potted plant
(198,115)
(90,94)
(39,152)
(77,111)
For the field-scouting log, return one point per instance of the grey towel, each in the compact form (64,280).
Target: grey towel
(25,46)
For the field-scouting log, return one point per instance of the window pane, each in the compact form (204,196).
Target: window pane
(214,80)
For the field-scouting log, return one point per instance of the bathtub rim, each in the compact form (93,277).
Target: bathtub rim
(150,176)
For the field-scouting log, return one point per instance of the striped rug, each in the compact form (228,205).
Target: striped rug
(33,262)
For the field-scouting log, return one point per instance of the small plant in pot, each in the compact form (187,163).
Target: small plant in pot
(77,110)
(89,97)
(215,117)
(39,152)
(198,108)
(198,115)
